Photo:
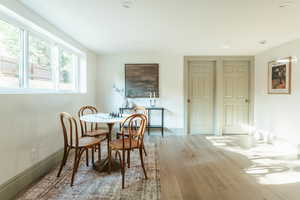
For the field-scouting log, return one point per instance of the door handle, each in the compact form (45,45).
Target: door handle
(189,101)
(246,100)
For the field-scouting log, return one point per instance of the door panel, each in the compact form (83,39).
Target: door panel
(235,97)
(201,95)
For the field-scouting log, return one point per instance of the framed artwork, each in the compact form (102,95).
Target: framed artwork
(279,81)
(141,80)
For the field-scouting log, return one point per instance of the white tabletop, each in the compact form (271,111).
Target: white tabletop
(102,118)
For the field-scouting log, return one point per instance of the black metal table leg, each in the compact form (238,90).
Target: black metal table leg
(121,110)
(149,118)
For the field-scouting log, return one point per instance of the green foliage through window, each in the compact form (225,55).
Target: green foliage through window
(47,65)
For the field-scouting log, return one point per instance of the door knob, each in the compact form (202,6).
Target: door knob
(189,101)
(246,100)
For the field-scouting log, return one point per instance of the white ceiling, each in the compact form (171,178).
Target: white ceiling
(188,27)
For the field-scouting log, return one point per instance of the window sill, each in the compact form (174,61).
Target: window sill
(37,91)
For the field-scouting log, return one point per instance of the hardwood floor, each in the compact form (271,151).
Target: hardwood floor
(221,168)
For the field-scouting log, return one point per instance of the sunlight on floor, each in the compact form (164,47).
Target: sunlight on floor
(271,164)
(280,178)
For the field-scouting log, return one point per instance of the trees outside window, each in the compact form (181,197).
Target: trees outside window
(10,52)
(67,62)
(40,66)
(30,60)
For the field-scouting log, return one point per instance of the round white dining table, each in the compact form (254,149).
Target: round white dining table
(105,118)
(102,118)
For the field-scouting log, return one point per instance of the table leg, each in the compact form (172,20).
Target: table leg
(110,126)
(108,164)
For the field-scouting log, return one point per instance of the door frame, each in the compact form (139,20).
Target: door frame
(218,88)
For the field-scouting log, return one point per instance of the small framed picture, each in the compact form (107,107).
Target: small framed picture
(280,76)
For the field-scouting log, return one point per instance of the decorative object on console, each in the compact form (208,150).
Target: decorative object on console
(280,76)
(140,78)
(120,91)
(131,104)
(152,98)
(153,102)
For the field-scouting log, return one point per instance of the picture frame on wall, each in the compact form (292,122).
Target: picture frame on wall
(279,76)
(142,80)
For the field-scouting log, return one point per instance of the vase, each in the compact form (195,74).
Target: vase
(125,103)
(152,102)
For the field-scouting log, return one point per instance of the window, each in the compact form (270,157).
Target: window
(40,67)
(35,61)
(10,48)
(67,62)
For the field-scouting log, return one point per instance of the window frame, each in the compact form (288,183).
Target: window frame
(56,43)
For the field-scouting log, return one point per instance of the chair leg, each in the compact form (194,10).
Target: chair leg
(67,156)
(74,167)
(120,158)
(99,151)
(109,161)
(116,156)
(128,158)
(144,150)
(142,162)
(78,155)
(64,160)
(123,166)
(93,160)
(87,157)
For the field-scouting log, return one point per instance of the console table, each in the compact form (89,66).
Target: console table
(149,126)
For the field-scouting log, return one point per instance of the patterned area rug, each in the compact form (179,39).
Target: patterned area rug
(91,185)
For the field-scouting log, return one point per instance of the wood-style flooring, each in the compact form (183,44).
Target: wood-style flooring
(227,168)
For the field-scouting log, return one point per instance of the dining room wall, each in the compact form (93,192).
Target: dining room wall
(277,115)
(29,123)
(110,71)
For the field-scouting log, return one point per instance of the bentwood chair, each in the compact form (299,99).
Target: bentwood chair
(132,139)
(72,140)
(135,110)
(91,129)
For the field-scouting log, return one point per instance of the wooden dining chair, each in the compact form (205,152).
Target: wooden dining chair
(72,140)
(91,129)
(135,110)
(132,139)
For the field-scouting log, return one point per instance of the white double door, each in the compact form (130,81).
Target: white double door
(218,97)
(201,96)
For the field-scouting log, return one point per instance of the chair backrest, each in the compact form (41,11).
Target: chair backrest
(140,110)
(70,130)
(135,126)
(87,126)
(137,110)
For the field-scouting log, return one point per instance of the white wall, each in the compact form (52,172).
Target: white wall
(29,123)
(278,114)
(111,71)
